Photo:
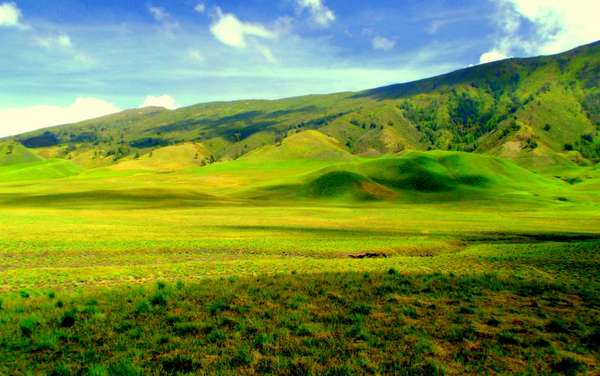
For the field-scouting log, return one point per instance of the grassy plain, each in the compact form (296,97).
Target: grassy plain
(247,266)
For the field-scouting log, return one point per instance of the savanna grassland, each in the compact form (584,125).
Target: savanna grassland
(285,268)
(449,226)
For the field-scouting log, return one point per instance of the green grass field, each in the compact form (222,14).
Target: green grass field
(420,263)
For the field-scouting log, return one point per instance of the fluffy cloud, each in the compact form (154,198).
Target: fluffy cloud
(490,56)
(229,30)
(18,120)
(558,25)
(320,14)
(382,43)
(164,101)
(10,15)
(50,42)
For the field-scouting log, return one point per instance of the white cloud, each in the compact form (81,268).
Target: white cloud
(229,30)
(10,16)
(158,13)
(161,15)
(195,55)
(490,56)
(320,14)
(165,101)
(200,8)
(50,42)
(382,43)
(266,53)
(558,25)
(19,120)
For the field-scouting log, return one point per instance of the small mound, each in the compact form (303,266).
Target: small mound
(309,144)
(346,184)
(14,153)
(168,158)
(421,173)
(43,169)
(337,183)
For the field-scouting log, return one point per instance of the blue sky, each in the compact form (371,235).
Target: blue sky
(67,60)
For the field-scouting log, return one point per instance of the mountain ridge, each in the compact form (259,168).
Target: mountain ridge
(525,109)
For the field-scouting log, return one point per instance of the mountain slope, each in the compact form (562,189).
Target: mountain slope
(309,144)
(541,112)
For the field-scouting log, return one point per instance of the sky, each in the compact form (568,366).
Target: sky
(63,61)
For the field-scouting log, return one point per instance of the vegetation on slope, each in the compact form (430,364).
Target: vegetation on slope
(522,109)
(424,176)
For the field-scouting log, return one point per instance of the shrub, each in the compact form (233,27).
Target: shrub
(568,366)
(358,332)
(593,340)
(242,357)
(557,326)
(262,340)
(431,368)
(218,305)
(411,312)
(507,338)
(158,300)
(361,309)
(568,147)
(24,294)
(179,364)
(423,346)
(466,310)
(216,336)
(142,307)
(68,319)
(27,326)
(184,328)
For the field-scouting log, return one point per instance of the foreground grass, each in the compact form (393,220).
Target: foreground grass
(119,274)
(337,323)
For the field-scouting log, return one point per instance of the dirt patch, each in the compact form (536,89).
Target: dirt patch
(369,255)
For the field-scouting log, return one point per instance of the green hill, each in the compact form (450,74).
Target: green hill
(40,170)
(421,177)
(20,163)
(542,112)
(15,153)
(303,145)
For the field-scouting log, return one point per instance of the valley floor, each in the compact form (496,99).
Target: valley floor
(404,265)
(454,288)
